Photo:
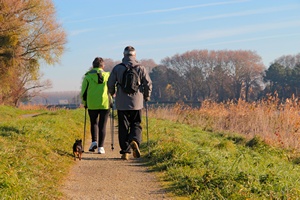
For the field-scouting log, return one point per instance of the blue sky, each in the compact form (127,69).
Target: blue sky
(159,29)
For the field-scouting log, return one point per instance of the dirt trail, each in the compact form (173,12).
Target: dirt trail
(106,176)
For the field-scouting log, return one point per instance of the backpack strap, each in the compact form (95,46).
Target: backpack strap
(128,66)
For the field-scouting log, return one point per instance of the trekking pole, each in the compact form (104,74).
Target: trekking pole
(84,128)
(112,125)
(147,129)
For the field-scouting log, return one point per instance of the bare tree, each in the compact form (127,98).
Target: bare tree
(110,63)
(282,76)
(149,64)
(289,61)
(217,74)
(246,69)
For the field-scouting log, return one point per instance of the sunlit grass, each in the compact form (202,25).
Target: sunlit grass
(35,151)
(204,165)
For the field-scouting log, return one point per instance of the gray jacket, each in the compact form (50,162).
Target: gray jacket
(125,101)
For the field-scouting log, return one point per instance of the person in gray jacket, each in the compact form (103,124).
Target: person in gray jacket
(129,106)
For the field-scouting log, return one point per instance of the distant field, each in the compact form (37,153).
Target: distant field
(55,98)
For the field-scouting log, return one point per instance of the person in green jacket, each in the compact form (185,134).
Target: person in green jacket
(95,98)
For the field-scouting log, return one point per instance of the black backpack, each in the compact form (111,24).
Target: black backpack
(131,80)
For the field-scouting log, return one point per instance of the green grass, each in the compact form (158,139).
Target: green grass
(206,165)
(36,151)
(35,156)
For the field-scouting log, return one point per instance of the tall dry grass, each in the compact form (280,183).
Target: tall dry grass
(31,107)
(276,122)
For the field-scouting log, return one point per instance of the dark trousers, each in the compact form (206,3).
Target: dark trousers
(129,128)
(98,120)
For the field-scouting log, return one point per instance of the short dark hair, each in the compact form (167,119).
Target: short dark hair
(129,50)
(98,62)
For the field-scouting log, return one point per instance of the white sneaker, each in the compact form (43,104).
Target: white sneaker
(101,150)
(93,146)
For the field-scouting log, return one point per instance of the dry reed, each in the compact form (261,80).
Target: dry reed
(31,106)
(276,122)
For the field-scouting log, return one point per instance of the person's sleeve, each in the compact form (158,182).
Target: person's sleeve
(111,83)
(110,99)
(147,85)
(83,93)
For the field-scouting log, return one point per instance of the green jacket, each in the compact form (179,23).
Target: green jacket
(94,94)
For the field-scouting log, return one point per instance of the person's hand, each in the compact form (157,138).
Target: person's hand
(147,99)
(85,105)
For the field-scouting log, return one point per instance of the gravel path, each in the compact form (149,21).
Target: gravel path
(106,176)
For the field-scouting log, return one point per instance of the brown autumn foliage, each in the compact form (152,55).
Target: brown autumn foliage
(218,75)
(110,63)
(29,35)
(149,64)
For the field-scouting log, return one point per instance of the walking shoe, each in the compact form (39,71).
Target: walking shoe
(125,156)
(101,150)
(93,147)
(135,148)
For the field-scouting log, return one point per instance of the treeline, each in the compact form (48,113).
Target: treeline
(224,75)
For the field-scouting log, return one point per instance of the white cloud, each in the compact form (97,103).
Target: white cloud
(236,14)
(256,38)
(220,33)
(160,11)
(78,32)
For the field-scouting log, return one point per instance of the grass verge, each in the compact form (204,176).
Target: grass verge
(35,151)
(206,165)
